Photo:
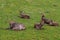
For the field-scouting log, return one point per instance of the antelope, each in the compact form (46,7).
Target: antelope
(39,25)
(48,21)
(16,26)
(25,16)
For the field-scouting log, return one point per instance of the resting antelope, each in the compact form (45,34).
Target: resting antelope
(49,22)
(16,26)
(39,25)
(23,15)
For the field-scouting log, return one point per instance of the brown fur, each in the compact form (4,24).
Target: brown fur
(12,24)
(19,26)
(25,16)
(16,26)
(39,25)
(48,21)
(53,24)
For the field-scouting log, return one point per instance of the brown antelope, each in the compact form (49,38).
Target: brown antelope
(48,21)
(16,26)
(39,25)
(25,16)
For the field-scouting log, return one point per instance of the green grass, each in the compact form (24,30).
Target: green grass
(9,10)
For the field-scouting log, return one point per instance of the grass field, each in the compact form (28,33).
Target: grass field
(9,10)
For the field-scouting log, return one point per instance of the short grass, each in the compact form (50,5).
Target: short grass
(9,10)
